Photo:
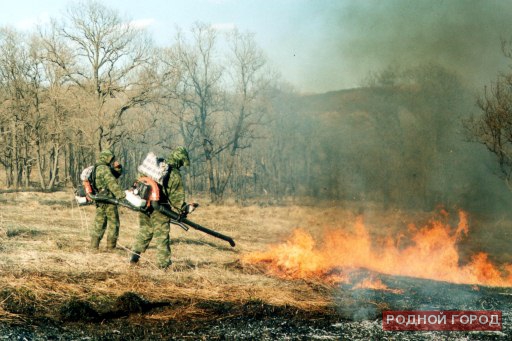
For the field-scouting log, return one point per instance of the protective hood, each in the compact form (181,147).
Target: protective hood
(105,157)
(179,157)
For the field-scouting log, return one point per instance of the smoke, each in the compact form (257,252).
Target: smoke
(366,36)
(413,143)
(401,145)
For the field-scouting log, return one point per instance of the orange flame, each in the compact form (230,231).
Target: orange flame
(377,284)
(432,254)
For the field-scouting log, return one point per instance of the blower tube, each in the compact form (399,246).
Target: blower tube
(168,213)
(175,216)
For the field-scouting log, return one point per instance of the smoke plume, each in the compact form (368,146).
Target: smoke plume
(365,36)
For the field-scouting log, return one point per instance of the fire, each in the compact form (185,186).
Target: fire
(431,254)
(376,284)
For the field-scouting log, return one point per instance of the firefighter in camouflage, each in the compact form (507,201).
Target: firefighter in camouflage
(156,224)
(107,172)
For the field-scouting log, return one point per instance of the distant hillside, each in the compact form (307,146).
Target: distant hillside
(341,101)
(398,145)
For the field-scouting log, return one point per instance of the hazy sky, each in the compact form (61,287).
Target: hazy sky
(322,45)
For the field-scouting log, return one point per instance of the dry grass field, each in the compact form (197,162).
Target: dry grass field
(45,260)
(48,273)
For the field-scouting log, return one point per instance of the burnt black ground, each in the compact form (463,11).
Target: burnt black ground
(269,328)
(356,315)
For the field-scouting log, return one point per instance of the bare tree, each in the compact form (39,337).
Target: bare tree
(201,92)
(218,100)
(19,80)
(109,60)
(250,96)
(493,128)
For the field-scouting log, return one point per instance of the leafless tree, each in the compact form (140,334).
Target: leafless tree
(493,128)
(19,83)
(109,60)
(249,99)
(219,100)
(202,91)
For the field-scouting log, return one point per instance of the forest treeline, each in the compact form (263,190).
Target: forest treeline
(91,80)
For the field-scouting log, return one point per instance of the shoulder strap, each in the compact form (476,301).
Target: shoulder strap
(93,178)
(165,183)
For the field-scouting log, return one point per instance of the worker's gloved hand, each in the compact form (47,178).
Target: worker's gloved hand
(189,208)
(183,214)
(186,209)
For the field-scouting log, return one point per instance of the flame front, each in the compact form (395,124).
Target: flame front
(375,284)
(432,254)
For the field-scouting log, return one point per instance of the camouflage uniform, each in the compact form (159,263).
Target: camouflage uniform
(156,224)
(106,214)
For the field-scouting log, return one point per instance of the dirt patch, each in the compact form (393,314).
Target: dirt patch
(130,302)
(105,308)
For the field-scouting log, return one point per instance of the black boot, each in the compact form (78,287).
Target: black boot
(135,258)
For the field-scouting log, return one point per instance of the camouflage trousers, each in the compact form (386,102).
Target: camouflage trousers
(105,215)
(155,225)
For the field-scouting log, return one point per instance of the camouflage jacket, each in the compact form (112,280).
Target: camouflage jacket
(105,181)
(179,157)
(175,190)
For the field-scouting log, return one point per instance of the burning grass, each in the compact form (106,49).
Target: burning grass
(430,251)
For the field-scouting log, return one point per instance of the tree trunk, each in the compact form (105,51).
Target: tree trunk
(15,160)
(54,167)
(210,169)
(40,167)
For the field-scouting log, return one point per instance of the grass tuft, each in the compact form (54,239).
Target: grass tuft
(22,232)
(76,310)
